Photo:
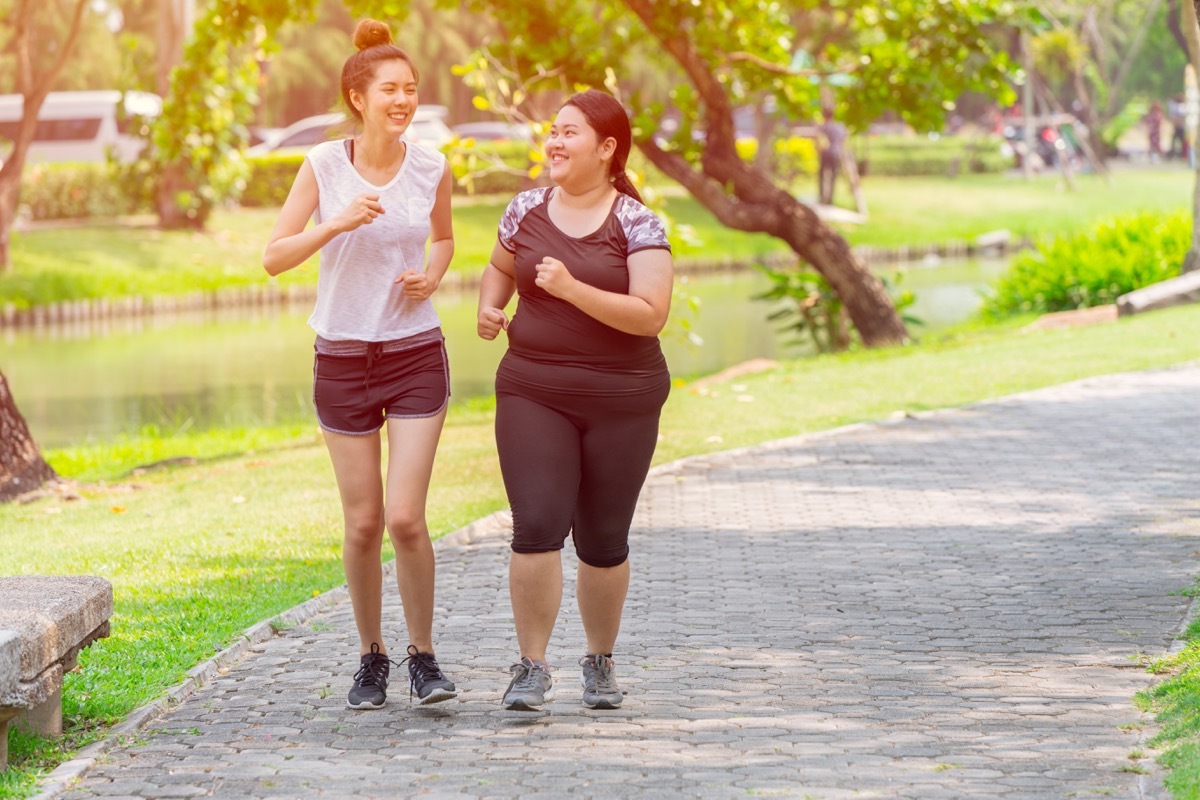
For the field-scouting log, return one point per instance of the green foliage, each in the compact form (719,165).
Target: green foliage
(493,167)
(919,155)
(910,57)
(197,141)
(1093,267)
(73,190)
(1123,121)
(270,179)
(811,310)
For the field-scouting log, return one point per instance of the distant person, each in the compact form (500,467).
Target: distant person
(380,354)
(1154,121)
(1177,115)
(832,136)
(580,389)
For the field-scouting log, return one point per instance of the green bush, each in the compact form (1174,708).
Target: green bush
(490,167)
(271,176)
(1092,267)
(917,155)
(70,190)
(270,180)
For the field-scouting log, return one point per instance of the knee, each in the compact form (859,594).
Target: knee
(407,528)
(363,534)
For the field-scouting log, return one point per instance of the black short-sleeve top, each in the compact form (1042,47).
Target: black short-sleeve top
(549,330)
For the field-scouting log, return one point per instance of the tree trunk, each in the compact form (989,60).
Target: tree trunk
(1191,29)
(747,199)
(10,198)
(34,89)
(22,468)
(170,215)
(759,206)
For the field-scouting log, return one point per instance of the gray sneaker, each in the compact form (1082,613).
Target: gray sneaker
(599,681)
(530,688)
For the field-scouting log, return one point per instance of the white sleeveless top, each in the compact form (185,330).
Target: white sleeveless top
(357,296)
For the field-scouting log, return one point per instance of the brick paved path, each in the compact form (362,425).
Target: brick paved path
(941,607)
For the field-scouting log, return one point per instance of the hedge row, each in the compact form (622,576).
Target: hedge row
(916,155)
(1092,267)
(75,190)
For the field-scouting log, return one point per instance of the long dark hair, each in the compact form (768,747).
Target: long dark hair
(608,118)
(373,40)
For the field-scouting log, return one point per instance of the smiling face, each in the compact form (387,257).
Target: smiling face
(574,151)
(390,100)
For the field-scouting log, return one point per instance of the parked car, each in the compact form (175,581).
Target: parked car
(494,131)
(81,126)
(428,126)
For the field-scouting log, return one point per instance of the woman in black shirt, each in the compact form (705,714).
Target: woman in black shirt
(579,391)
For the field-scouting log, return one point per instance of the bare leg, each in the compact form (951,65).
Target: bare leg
(412,444)
(535,585)
(356,466)
(600,592)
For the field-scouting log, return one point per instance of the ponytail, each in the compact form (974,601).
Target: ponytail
(623,185)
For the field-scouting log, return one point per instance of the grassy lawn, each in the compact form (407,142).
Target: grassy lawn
(903,211)
(197,553)
(131,257)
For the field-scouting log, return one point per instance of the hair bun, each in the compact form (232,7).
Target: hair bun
(370,33)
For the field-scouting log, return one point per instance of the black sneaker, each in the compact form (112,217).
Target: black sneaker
(370,682)
(426,679)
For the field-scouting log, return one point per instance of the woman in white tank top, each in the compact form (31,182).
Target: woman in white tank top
(380,356)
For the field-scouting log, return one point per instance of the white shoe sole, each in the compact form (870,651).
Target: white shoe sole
(366,706)
(437,696)
(521,705)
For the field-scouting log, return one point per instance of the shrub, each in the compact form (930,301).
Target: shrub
(490,167)
(270,180)
(69,190)
(812,312)
(916,155)
(1092,267)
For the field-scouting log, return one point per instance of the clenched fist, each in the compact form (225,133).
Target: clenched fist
(490,322)
(554,277)
(362,210)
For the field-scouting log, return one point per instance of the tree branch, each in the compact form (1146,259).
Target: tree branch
(754,217)
(718,113)
(780,69)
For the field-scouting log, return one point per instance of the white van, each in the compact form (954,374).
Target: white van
(80,126)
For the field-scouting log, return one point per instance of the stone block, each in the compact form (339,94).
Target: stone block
(1171,292)
(44,622)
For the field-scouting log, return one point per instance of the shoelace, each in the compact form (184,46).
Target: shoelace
(527,680)
(373,671)
(422,667)
(602,672)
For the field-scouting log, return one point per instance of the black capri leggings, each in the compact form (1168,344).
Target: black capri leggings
(575,464)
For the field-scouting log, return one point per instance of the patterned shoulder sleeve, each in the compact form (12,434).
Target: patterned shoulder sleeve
(643,229)
(516,211)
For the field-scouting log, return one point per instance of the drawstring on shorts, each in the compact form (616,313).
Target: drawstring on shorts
(374,350)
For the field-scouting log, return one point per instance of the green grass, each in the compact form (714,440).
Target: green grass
(198,553)
(1175,701)
(133,258)
(907,211)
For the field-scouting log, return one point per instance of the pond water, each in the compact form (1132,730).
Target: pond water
(76,384)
